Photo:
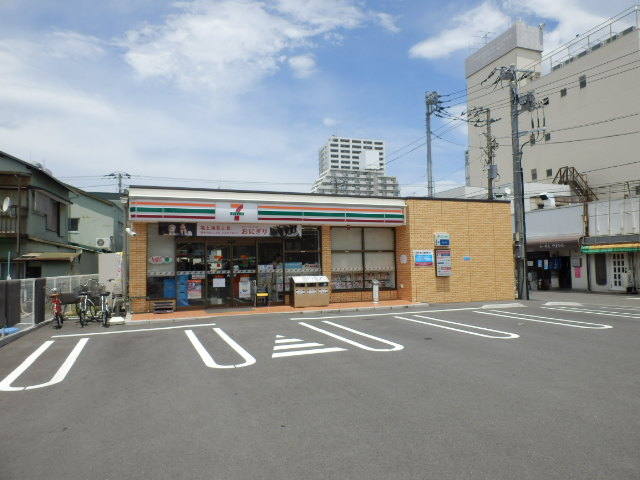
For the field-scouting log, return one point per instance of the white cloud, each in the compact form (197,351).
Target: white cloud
(303,66)
(329,122)
(485,17)
(227,46)
(568,17)
(387,21)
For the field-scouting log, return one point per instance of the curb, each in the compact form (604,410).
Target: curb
(22,332)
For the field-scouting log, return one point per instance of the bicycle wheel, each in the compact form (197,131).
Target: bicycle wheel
(80,313)
(105,318)
(92,311)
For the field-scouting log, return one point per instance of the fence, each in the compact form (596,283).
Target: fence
(25,302)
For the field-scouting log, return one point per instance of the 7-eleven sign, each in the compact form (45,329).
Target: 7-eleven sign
(236,212)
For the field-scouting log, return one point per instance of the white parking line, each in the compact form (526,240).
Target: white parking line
(506,335)
(594,312)
(390,313)
(209,361)
(119,332)
(558,321)
(59,376)
(394,346)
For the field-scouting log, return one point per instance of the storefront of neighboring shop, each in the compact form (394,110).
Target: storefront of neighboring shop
(212,248)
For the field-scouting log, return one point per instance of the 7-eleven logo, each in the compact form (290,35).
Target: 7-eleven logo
(237,211)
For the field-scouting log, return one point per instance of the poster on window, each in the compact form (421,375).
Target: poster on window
(244,290)
(194,290)
(443,263)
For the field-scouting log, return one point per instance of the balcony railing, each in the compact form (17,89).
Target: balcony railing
(9,221)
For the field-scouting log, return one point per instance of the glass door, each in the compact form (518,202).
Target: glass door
(243,271)
(190,273)
(219,274)
(270,270)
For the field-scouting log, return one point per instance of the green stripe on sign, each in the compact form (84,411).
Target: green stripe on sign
(287,213)
(365,215)
(325,214)
(172,210)
(391,215)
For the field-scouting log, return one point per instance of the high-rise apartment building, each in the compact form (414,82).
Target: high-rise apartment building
(354,166)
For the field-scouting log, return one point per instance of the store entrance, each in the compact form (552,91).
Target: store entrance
(231,273)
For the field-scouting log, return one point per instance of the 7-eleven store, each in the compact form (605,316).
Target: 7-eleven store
(206,248)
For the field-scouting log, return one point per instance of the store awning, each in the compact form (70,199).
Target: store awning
(48,257)
(611,248)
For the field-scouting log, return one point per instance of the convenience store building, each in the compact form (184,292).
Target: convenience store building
(202,248)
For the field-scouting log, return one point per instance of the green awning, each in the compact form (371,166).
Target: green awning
(611,248)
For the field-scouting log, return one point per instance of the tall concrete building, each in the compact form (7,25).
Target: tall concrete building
(586,103)
(578,116)
(354,166)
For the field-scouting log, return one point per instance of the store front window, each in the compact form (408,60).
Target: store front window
(361,255)
(215,271)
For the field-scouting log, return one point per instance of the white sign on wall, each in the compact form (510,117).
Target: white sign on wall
(237,212)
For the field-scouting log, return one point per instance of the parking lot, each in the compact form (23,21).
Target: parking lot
(528,390)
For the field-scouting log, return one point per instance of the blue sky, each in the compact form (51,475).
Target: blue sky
(241,94)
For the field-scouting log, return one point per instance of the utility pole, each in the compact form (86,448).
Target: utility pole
(491,170)
(520,235)
(119,176)
(432,102)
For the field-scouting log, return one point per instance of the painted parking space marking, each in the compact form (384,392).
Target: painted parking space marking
(291,347)
(209,361)
(394,346)
(137,330)
(595,312)
(58,377)
(550,320)
(501,335)
(389,313)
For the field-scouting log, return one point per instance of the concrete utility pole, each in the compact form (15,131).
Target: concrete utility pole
(491,168)
(432,102)
(119,176)
(520,235)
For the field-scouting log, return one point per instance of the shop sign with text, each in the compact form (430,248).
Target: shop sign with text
(423,258)
(232,230)
(443,263)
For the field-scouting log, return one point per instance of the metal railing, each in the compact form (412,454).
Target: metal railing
(67,284)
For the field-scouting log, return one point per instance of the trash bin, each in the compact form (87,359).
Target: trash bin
(310,291)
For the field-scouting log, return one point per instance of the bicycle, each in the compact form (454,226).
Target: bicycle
(56,307)
(105,311)
(85,308)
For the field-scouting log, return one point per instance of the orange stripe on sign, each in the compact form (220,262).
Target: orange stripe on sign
(324,209)
(173,204)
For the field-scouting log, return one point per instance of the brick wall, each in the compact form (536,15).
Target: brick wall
(479,230)
(138,268)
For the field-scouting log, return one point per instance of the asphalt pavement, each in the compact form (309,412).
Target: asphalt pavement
(540,389)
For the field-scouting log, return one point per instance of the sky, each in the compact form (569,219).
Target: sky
(241,94)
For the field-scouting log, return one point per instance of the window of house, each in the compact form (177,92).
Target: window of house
(534,174)
(600,260)
(361,255)
(549,172)
(563,92)
(73,224)
(583,81)
(50,209)
(547,137)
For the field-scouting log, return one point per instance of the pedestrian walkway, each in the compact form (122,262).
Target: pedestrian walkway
(218,312)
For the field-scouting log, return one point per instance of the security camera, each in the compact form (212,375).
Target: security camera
(130,232)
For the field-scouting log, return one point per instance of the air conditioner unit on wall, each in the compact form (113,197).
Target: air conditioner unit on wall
(103,242)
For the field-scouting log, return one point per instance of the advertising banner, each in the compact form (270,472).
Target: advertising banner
(443,263)
(423,258)
(232,230)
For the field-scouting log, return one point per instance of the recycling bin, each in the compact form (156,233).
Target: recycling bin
(310,291)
